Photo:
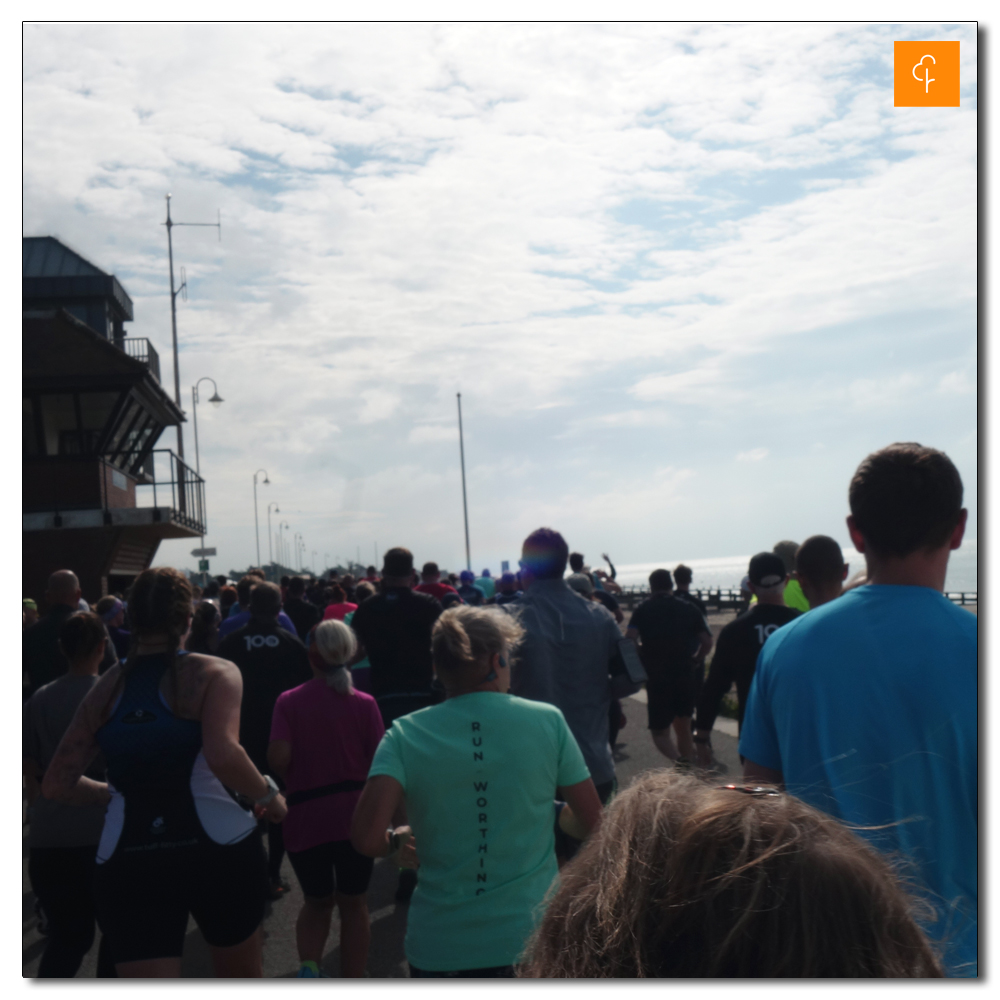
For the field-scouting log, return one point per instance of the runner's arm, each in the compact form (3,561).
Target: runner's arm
(611,565)
(584,809)
(220,739)
(64,779)
(719,681)
(371,826)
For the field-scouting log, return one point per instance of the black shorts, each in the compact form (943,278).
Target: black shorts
(314,868)
(143,902)
(669,696)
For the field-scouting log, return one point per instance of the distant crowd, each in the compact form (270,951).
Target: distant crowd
(180,742)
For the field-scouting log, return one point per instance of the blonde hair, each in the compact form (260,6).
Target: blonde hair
(336,644)
(466,637)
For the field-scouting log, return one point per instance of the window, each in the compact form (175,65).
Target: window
(59,424)
(29,440)
(95,412)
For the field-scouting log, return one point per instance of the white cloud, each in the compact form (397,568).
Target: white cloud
(614,240)
(753,455)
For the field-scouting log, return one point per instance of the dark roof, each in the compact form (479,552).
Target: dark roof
(46,257)
(51,272)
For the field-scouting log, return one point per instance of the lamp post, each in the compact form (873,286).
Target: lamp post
(216,401)
(270,555)
(314,562)
(256,528)
(295,542)
(281,542)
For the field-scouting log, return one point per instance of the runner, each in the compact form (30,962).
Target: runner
(683,880)
(303,613)
(175,843)
(867,707)
(238,618)
(486,584)
(478,775)
(430,577)
(394,629)
(820,570)
(339,606)
(41,659)
(204,634)
(739,645)
(672,637)
(62,839)
(271,660)
(507,591)
(323,738)
(112,612)
(468,591)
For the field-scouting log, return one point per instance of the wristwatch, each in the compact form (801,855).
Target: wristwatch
(394,842)
(272,790)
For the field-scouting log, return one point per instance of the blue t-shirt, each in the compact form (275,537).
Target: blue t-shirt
(868,707)
(233,622)
(480,773)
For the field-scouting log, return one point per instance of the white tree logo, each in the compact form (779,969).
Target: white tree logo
(926,79)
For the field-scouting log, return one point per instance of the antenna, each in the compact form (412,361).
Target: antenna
(174,292)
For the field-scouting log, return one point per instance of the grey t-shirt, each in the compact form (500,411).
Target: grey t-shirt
(565,659)
(47,715)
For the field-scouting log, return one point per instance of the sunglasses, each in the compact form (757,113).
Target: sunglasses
(760,790)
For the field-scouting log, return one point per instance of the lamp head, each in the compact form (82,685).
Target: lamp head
(216,399)
(267,482)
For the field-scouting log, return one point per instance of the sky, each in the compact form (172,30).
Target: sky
(685,276)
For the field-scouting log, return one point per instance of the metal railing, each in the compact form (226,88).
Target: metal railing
(721,599)
(186,489)
(142,350)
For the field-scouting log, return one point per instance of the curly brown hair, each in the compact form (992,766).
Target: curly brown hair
(682,879)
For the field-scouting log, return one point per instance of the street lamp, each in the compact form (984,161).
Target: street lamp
(295,543)
(270,555)
(267,482)
(281,542)
(314,562)
(216,401)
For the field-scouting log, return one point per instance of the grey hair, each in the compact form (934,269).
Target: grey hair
(336,644)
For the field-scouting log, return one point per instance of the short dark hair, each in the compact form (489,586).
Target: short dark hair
(683,575)
(660,579)
(296,586)
(244,588)
(430,569)
(81,634)
(265,600)
(545,553)
(905,498)
(397,562)
(285,581)
(820,560)
(576,561)
(257,572)
(363,591)
(211,589)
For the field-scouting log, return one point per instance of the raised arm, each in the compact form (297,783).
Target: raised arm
(611,565)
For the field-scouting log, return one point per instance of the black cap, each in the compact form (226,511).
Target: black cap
(766,569)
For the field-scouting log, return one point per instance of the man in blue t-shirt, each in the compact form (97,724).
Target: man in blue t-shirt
(867,706)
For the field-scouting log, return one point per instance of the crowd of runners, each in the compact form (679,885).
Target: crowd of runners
(178,742)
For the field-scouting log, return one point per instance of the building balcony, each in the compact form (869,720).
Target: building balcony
(93,493)
(142,350)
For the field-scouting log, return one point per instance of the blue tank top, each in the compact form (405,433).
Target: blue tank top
(147,747)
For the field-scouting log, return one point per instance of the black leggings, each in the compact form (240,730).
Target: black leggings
(63,880)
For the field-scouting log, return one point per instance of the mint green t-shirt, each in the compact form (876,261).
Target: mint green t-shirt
(480,773)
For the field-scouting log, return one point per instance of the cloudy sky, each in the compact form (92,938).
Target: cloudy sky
(685,277)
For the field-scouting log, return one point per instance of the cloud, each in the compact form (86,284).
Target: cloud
(753,455)
(624,244)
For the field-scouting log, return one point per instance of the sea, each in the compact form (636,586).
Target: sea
(727,571)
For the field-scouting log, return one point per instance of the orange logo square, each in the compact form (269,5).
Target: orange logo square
(925,75)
